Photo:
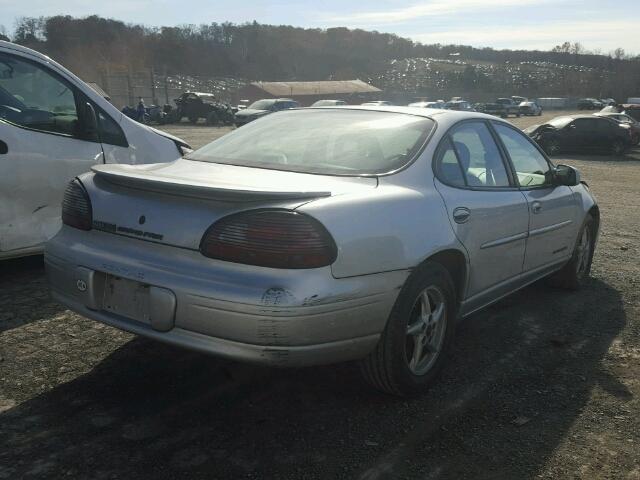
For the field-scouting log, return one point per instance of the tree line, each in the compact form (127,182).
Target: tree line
(274,52)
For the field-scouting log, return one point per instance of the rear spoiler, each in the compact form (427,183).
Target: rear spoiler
(160,184)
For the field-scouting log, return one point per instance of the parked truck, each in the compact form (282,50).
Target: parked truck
(502,107)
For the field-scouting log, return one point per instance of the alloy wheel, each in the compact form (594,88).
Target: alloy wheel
(583,253)
(426,330)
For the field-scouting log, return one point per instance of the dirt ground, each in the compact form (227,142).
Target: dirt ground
(544,384)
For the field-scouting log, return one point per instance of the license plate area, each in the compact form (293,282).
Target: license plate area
(127,298)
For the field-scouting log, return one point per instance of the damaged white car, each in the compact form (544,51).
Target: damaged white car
(53,126)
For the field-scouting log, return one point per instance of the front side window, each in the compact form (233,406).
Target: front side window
(33,97)
(584,125)
(333,141)
(532,169)
(478,156)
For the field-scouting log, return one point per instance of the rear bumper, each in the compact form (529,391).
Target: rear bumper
(270,316)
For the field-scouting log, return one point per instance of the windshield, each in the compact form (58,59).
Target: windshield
(560,122)
(332,142)
(262,104)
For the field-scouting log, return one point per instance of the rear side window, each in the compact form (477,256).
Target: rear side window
(449,169)
(478,155)
(110,131)
(34,97)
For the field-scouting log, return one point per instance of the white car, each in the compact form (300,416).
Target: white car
(530,108)
(438,105)
(53,126)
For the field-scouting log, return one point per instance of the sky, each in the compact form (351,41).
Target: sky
(601,25)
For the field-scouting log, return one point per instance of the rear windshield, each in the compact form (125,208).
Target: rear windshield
(332,142)
(262,104)
(560,122)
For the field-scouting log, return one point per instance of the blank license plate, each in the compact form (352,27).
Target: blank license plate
(127,298)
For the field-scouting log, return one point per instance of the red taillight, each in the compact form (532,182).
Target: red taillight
(270,238)
(76,206)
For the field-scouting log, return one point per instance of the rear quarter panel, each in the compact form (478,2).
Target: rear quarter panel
(395,227)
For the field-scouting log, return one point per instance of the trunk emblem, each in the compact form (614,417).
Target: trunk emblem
(142,219)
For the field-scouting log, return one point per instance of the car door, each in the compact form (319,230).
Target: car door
(552,208)
(579,135)
(488,213)
(42,146)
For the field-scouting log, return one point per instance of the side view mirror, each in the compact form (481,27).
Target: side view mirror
(566,175)
(90,121)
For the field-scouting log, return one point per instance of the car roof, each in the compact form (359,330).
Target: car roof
(452,116)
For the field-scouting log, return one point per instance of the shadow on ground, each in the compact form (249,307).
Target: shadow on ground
(521,373)
(23,287)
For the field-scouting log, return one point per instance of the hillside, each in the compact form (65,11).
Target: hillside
(95,46)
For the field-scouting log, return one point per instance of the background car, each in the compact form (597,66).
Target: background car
(459,105)
(317,236)
(53,126)
(197,105)
(329,103)
(261,108)
(377,103)
(439,105)
(581,133)
(530,108)
(625,119)
(589,104)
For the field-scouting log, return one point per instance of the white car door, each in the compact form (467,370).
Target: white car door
(42,146)
(553,209)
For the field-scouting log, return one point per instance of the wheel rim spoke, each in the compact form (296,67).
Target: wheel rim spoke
(417,352)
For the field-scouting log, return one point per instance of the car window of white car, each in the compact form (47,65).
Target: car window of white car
(35,98)
(532,169)
(478,156)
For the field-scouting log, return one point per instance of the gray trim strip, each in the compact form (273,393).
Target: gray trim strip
(550,228)
(504,241)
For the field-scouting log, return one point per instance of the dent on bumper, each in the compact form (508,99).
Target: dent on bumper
(277,356)
(284,325)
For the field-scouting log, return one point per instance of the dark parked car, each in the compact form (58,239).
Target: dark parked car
(196,105)
(581,133)
(263,107)
(624,119)
(589,104)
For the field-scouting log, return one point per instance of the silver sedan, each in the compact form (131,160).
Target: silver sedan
(324,235)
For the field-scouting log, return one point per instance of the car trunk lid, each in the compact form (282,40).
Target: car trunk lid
(175,203)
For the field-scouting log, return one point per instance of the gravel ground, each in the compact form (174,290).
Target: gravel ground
(544,384)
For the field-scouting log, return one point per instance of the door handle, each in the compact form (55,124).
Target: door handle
(4,148)
(461,214)
(536,207)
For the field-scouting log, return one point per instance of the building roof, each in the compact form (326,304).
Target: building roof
(292,89)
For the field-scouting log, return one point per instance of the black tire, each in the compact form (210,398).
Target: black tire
(193,119)
(618,148)
(576,273)
(387,367)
